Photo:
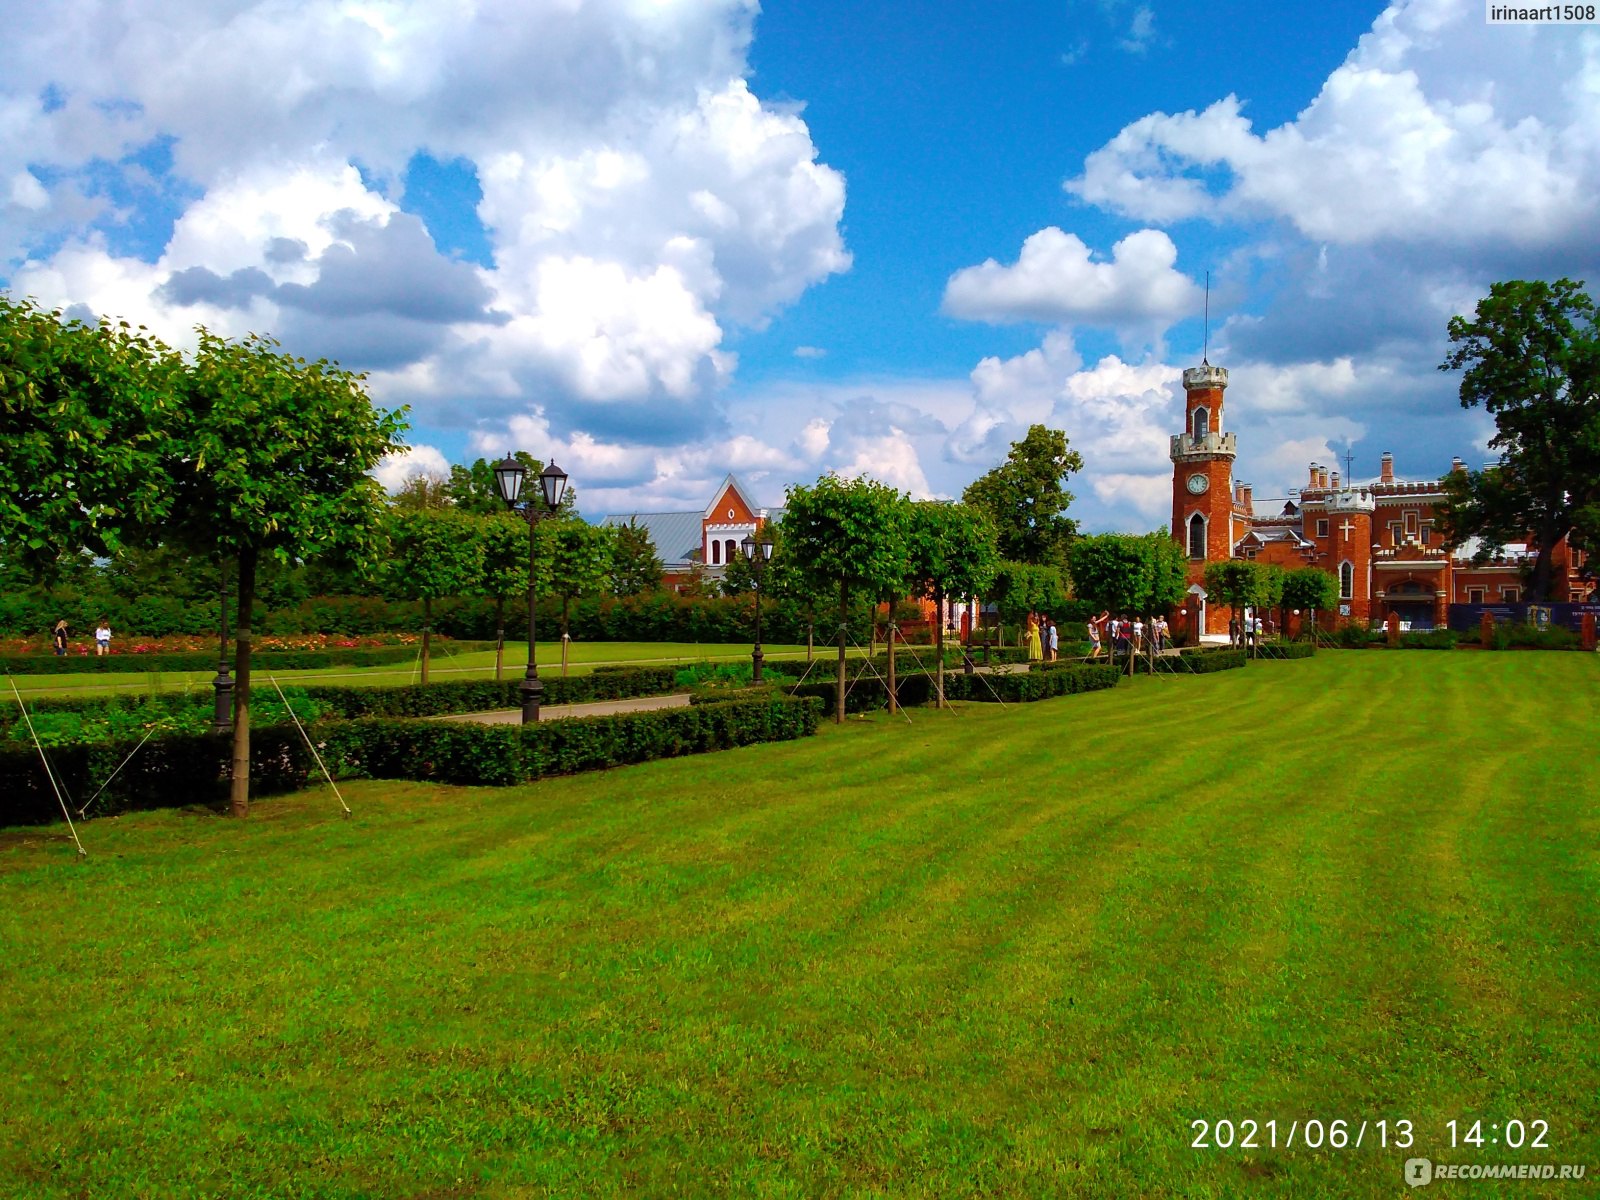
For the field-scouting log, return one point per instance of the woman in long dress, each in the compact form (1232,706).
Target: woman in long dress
(1035,645)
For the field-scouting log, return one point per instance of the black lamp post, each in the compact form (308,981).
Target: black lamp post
(508,478)
(758,564)
(222,714)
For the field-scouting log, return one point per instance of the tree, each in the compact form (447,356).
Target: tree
(503,537)
(429,554)
(1309,590)
(85,422)
(571,558)
(423,491)
(270,457)
(1027,499)
(1022,588)
(636,568)
(1241,583)
(1129,573)
(951,556)
(1531,357)
(846,538)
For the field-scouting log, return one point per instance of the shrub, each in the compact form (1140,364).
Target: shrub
(465,696)
(166,772)
(1353,635)
(1202,660)
(1430,639)
(203,660)
(1294,649)
(467,753)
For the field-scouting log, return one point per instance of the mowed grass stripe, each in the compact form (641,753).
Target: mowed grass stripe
(990,952)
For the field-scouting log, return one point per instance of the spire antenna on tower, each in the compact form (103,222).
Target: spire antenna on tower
(1205,354)
(1348,478)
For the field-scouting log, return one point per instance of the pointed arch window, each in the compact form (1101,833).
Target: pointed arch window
(1197,536)
(1347,580)
(1202,423)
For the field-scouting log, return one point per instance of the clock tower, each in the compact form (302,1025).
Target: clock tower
(1202,472)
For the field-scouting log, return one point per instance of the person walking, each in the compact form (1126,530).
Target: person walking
(102,638)
(58,638)
(1094,637)
(1053,643)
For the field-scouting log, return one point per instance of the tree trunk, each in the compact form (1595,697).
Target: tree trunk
(844,610)
(499,636)
(938,649)
(239,783)
(566,640)
(427,635)
(810,629)
(894,698)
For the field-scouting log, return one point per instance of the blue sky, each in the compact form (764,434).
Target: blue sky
(662,240)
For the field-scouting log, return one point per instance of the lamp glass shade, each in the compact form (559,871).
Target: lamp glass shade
(553,481)
(748,546)
(508,477)
(766,551)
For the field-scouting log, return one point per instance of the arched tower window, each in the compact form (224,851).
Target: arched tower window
(1202,422)
(731,549)
(716,553)
(1347,580)
(1197,536)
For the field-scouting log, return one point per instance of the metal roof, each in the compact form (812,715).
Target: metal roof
(675,535)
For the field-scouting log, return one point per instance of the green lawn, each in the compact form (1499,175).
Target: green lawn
(581,657)
(999,952)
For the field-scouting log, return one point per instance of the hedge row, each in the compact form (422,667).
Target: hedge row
(193,769)
(1286,649)
(866,692)
(464,696)
(206,660)
(462,753)
(1202,660)
(167,772)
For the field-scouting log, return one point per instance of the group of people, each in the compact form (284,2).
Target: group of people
(102,638)
(1043,642)
(1123,636)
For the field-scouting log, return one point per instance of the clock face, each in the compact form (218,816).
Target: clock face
(1198,483)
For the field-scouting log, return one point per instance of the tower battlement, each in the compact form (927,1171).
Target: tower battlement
(1204,376)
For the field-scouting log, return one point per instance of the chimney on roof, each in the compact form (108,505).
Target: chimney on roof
(1457,465)
(1313,480)
(1244,500)
(1322,477)
(1336,481)
(1386,472)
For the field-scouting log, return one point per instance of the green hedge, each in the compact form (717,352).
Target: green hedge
(462,753)
(867,692)
(1431,639)
(1202,660)
(206,660)
(167,772)
(464,696)
(1286,650)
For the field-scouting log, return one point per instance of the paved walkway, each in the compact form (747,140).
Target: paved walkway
(552,712)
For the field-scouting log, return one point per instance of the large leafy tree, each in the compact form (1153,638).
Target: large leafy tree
(271,458)
(1310,590)
(572,558)
(1530,356)
(1241,583)
(847,538)
(1136,574)
(951,555)
(503,537)
(1027,499)
(636,568)
(429,554)
(85,423)
(1022,588)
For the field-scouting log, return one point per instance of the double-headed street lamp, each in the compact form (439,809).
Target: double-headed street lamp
(758,563)
(508,478)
